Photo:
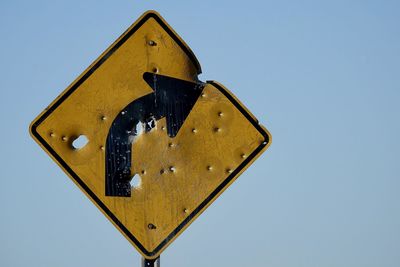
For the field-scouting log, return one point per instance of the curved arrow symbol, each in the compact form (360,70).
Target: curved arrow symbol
(172,98)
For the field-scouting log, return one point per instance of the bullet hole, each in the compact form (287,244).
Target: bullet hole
(52,134)
(155,70)
(194,130)
(150,123)
(243,156)
(64,138)
(143,172)
(79,142)
(220,114)
(151,226)
(209,168)
(172,169)
(102,147)
(137,130)
(216,129)
(185,210)
(103,118)
(135,181)
(229,170)
(162,171)
(152,43)
(170,144)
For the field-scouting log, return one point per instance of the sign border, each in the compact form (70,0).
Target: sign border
(196,212)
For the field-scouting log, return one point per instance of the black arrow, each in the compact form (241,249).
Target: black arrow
(172,98)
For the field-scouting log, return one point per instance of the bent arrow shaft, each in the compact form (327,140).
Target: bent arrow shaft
(172,98)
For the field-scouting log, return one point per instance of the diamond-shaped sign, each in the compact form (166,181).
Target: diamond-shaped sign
(161,145)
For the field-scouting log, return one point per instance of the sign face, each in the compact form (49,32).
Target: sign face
(161,145)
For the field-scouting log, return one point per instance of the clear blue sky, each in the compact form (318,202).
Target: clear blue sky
(322,76)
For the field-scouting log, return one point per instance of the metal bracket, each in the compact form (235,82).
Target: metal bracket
(151,263)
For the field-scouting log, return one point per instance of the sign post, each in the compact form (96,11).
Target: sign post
(151,263)
(161,144)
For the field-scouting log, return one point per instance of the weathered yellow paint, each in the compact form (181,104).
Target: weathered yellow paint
(177,174)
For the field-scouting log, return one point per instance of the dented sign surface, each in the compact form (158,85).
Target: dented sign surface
(161,145)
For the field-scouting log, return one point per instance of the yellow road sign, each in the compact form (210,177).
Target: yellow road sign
(161,145)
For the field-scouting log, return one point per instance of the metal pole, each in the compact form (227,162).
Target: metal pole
(151,263)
